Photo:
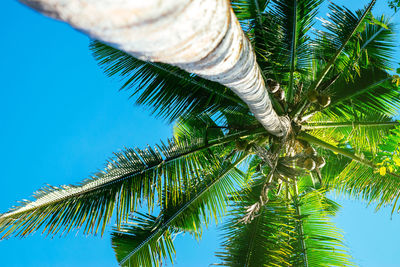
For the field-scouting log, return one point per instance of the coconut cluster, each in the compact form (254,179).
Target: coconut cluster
(310,160)
(275,88)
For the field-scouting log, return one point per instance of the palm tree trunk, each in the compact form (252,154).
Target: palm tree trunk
(200,36)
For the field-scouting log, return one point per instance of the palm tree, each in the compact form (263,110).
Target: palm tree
(335,87)
(199,36)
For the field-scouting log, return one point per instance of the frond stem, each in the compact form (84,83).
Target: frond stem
(212,143)
(338,52)
(252,240)
(316,141)
(300,224)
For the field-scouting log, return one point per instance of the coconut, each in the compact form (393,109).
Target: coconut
(313,96)
(324,100)
(310,151)
(320,162)
(281,95)
(309,164)
(273,86)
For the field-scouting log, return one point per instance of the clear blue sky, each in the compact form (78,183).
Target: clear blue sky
(61,118)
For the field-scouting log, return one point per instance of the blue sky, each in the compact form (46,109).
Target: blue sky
(61,118)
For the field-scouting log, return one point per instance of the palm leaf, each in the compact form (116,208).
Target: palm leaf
(362,131)
(332,45)
(377,43)
(318,241)
(131,176)
(136,231)
(373,90)
(167,91)
(360,181)
(248,10)
(201,201)
(263,241)
(295,19)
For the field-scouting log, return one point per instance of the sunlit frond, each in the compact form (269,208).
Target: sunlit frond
(318,241)
(131,177)
(201,201)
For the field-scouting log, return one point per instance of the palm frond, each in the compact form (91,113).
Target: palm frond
(262,242)
(295,19)
(248,10)
(136,231)
(201,201)
(362,131)
(373,90)
(332,45)
(318,241)
(132,176)
(360,181)
(167,91)
(377,43)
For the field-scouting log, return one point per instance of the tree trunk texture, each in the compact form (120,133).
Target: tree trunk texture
(199,36)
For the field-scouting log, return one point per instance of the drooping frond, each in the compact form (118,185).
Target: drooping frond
(360,181)
(132,176)
(318,242)
(378,182)
(200,202)
(262,242)
(167,91)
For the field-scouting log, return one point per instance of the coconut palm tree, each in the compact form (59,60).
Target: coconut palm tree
(333,84)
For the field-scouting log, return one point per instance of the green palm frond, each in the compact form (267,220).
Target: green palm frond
(202,200)
(295,19)
(333,46)
(371,177)
(362,182)
(136,231)
(318,242)
(132,176)
(335,164)
(262,242)
(373,43)
(292,232)
(281,44)
(373,90)
(377,182)
(167,91)
(362,131)
(212,126)
(248,10)
(377,43)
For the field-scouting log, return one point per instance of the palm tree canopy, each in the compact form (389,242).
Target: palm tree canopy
(334,84)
